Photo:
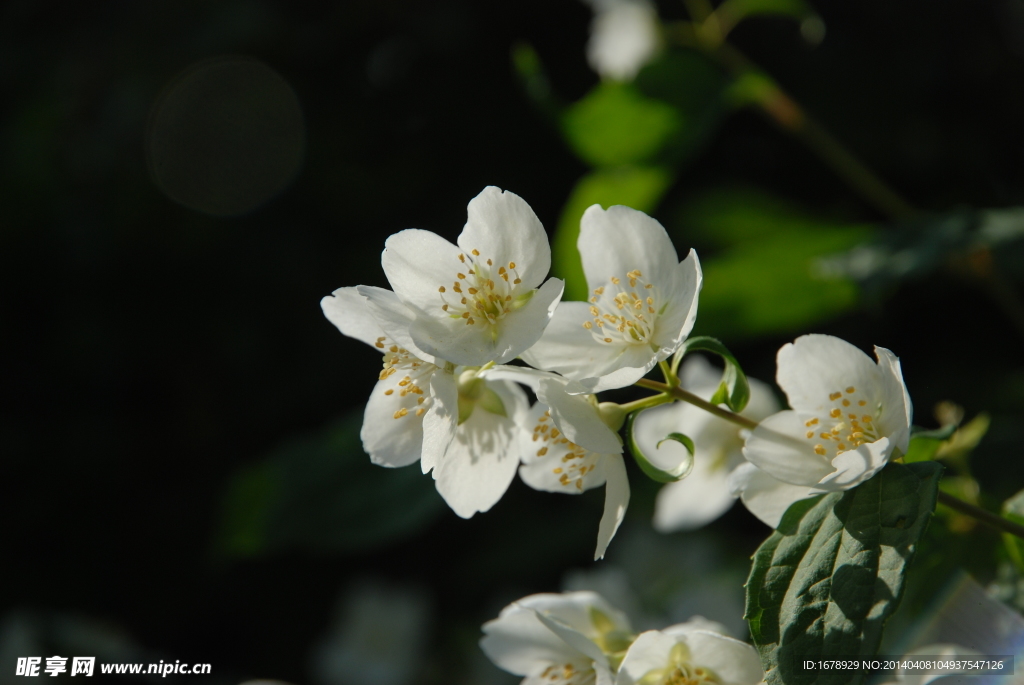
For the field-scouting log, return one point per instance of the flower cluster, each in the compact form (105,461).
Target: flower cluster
(577,638)
(458,314)
(448,396)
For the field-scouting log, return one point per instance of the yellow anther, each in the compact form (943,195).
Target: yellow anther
(861,403)
(810,434)
(615,280)
(473,291)
(588,325)
(379,344)
(812,422)
(511,265)
(595,311)
(517,281)
(401,412)
(866,418)
(444,307)
(441,289)
(461,276)
(819,449)
(462,258)
(465,315)
(648,286)
(470,321)
(835,395)
(851,390)
(607,340)
(835,413)
(393,348)
(826,436)
(842,447)
(389,391)
(846,403)
(558,470)
(542,451)
(476,253)
(420,411)
(555,433)
(489,263)
(852,416)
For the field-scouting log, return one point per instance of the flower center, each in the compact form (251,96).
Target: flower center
(482,294)
(679,671)
(577,461)
(567,674)
(407,370)
(849,422)
(624,314)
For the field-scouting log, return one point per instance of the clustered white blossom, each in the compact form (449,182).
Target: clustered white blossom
(577,638)
(448,396)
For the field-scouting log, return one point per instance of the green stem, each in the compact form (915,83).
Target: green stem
(979,514)
(686,396)
(646,402)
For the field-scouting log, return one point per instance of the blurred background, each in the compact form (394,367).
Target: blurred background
(181,182)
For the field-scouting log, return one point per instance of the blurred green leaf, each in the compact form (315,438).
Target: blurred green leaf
(738,9)
(614,125)
(321,493)
(823,584)
(637,187)
(922,448)
(528,67)
(1013,509)
(763,279)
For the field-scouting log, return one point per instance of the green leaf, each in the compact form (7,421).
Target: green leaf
(734,390)
(943,433)
(669,474)
(825,582)
(922,448)
(321,493)
(765,275)
(637,187)
(614,125)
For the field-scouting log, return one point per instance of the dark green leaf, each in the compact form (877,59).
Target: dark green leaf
(321,493)
(637,187)
(657,473)
(765,275)
(943,433)
(922,448)
(734,390)
(825,582)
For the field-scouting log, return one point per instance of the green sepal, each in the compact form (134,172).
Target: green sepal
(734,391)
(823,585)
(652,471)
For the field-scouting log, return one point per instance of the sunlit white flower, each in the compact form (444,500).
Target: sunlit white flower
(567,447)
(643,303)
(623,37)
(705,494)
(480,301)
(564,639)
(688,654)
(849,415)
(462,428)
(414,391)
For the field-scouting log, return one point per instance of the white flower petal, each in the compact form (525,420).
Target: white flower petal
(814,366)
(348,310)
(618,240)
(616,499)
(520,643)
(395,318)
(694,501)
(388,440)
(855,466)
(897,410)
(547,464)
(503,227)
(531,378)
(575,609)
(734,662)
(441,419)
(676,322)
(416,263)
(765,497)
(650,651)
(578,419)
(572,637)
(623,37)
(779,447)
(482,458)
(520,329)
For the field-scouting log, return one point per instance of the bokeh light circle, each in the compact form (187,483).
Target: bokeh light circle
(225,136)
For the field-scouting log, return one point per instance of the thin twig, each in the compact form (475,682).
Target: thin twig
(685,396)
(986,517)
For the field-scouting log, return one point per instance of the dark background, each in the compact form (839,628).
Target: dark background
(148,351)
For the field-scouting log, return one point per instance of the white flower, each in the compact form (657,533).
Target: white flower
(623,37)
(414,395)
(561,639)
(643,304)
(705,494)
(687,654)
(479,301)
(462,428)
(848,415)
(567,447)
